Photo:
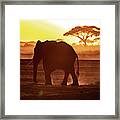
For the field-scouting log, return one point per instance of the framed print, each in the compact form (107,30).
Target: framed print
(60,60)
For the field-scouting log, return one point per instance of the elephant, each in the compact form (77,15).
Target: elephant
(55,55)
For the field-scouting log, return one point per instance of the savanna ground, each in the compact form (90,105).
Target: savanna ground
(88,89)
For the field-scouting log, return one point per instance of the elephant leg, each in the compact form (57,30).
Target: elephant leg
(48,79)
(74,77)
(65,79)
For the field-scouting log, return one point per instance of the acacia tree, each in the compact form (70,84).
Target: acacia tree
(84,32)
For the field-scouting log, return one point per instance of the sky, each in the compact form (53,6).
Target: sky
(32,30)
(36,29)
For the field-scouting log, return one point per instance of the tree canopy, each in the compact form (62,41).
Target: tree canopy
(84,32)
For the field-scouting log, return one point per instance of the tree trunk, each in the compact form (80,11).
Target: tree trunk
(85,43)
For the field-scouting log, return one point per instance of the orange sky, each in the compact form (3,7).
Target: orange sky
(32,30)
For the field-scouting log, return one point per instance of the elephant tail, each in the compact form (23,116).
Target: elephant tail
(77,65)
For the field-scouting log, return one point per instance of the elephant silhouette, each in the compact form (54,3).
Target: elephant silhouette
(55,55)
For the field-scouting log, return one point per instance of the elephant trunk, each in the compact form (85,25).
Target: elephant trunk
(34,72)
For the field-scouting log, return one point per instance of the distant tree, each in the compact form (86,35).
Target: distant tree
(73,44)
(84,32)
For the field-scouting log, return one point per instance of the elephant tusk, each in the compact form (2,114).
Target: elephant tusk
(31,62)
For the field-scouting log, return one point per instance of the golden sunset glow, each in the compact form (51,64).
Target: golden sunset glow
(32,30)
(61,30)
(39,29)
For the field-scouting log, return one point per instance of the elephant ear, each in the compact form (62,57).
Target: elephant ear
(38,43)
